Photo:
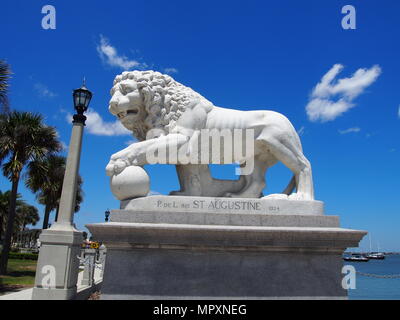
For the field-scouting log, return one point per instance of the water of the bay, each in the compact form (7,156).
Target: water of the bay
(377,288)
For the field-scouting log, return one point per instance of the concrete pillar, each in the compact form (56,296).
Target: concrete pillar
(58,263)
(90,264)
(68,195)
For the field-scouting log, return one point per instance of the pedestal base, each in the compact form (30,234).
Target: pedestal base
(223,255)
(205,274)
(53,294)
(58,265)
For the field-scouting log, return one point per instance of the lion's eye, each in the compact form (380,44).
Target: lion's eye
(122,89)
(125,89)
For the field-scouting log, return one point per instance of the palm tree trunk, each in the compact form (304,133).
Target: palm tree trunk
(47,211)
(10,225)
(1,227)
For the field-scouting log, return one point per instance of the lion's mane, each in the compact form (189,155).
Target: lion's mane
(165,100)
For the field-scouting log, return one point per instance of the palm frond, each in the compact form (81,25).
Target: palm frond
(4,78)
(25,138)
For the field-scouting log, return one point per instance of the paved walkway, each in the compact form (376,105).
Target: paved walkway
(27,293)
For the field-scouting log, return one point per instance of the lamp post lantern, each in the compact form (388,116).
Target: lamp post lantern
(61,244)
(107,214)
(81,98)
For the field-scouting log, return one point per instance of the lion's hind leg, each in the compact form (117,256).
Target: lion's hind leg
(254,182)
(291,155)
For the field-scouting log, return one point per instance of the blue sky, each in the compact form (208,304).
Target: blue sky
(238,54)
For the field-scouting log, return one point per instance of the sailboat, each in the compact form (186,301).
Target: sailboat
(374,255)
(356,257)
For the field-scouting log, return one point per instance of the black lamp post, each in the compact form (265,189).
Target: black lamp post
(61,243)
(107,214)
(81,97)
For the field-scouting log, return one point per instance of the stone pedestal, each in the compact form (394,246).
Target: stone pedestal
(164,247)
(58,264)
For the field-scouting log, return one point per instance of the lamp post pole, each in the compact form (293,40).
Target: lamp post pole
(68,194)
(58,264)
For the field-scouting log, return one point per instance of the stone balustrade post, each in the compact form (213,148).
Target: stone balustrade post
(90,264)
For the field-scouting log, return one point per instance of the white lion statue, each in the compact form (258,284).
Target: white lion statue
(161,112)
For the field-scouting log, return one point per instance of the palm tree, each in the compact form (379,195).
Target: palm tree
(23,138)
(4,198)
(45,178)
(78,197)
(4,77)
(4,208)
(26,214)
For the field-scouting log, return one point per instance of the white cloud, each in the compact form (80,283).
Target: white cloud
(170,70)
(326,110)
(110,56)
(398,112)
(322,107)
(349,130)
(43,91)
(97,126)
(300,132)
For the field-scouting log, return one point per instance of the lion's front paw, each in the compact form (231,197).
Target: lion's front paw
(110,169)
(115,167)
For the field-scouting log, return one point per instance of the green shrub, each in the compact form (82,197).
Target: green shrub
(23,256)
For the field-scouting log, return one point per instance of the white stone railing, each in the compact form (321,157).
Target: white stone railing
(90,280)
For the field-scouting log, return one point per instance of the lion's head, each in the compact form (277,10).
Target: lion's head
(145,100)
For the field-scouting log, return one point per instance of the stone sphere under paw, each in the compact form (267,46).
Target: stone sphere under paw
(131,183)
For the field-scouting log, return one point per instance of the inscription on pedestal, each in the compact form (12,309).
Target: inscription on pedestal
(217,205)
(160,203)
(214,205)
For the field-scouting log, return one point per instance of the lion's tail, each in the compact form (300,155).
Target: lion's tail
(291,186)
